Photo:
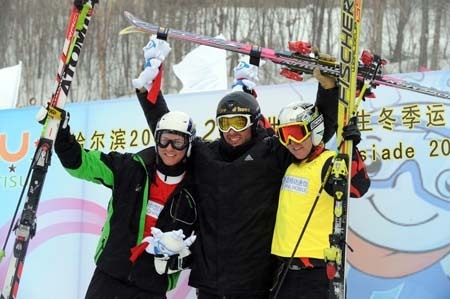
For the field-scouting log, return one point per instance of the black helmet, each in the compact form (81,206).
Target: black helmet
(239,102)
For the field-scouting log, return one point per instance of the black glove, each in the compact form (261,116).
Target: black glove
(351,131)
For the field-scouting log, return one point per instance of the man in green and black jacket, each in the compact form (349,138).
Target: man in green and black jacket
(149,189)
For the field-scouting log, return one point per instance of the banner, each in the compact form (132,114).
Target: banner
(9,86)
(399,232)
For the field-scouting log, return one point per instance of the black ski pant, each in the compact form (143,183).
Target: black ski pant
(201,294)
(306,283)
(104,286)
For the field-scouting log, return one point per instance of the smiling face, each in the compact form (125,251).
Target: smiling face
(169,155)
(234,138)
(300,150)
(402,222)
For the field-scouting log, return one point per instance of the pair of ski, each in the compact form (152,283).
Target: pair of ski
(294,62)
(353,74)
(25,228)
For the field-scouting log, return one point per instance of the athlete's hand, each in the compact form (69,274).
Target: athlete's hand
(245,75)
(352,132)
(155,52)
(326,82)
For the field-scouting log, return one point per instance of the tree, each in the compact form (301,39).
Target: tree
(440,7)
(423,54)
(376,30)
(403,9)
(35,31)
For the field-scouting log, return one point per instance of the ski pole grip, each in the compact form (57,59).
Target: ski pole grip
(162,33)
(80,3)
(255,55)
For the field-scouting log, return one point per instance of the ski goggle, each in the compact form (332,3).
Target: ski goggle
(163,141)
(296,132)
(237,122)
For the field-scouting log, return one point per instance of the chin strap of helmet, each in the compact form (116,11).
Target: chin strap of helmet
(316,151)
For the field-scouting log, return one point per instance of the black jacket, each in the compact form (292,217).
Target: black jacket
(129,177)
(238,197)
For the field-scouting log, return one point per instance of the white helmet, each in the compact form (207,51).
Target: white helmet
(305,113)
(176,122)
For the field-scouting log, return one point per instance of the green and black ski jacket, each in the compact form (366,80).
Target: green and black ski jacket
(129,177)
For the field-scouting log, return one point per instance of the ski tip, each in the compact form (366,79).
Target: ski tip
(129,16)
(2,254)
(131,29)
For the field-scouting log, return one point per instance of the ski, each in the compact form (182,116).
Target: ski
(25,228)
(294,62)
(335,255)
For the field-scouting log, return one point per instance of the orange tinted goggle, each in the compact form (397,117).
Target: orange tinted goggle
(296,132)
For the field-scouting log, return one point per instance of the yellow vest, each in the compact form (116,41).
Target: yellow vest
(301,184)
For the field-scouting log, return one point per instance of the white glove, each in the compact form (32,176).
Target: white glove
(167,243)
(42,114)
(57,113)
(245,75)
(154,54)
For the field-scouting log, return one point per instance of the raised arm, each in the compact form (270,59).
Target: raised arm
(89,165)
(245,77)
(327,103)
(152,111)
(148,84)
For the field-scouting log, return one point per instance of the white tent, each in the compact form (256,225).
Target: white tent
(203,69)
(9,86)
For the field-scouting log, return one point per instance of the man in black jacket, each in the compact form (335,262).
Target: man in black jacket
(149,189)
(238,178)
